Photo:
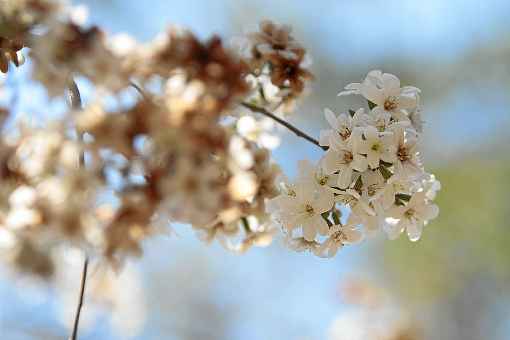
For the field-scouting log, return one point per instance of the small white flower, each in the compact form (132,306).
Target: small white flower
(299,244)
(379,119)
(383,90)
(338,236)
(373,183)
(396,184)
(316,175)
(377,146)
(342,125)
(413,216)
(355,201)
(376,222)
(407,159)
(372,220)
(343,157)
(303,208)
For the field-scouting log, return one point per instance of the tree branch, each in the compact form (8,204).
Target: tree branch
(76,104)
(280,121)
(74,95)
(138,89)
(74,334)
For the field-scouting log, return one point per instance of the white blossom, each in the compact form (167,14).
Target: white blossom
(372,167)
(303,208)
(414,215)
(342,125)
(344,158)
(316,175)
(376,146)
(338,236)
(407,158)
(384,91)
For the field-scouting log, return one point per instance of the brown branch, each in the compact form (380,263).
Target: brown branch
(280,121)
(138,89)
(74,95)
(76,104)
(74,334)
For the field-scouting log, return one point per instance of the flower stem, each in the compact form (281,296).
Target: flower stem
(76,104)
(74,334)
(74,95)
(138,89)
(280,121)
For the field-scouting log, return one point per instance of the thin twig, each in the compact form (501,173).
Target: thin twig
(74,95)
(74,334)
(76,104)
(138,89)
(280,121)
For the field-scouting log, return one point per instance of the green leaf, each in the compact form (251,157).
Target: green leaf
(403,197)
(325,217)
(358,185)
(246,225)
(336,216)
(371,105)
(385,172)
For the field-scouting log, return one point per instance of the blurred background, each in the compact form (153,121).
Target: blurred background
(452,284)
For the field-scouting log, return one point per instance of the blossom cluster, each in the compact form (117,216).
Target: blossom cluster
(105,176)
(190,147)
(277,66)
(371,171)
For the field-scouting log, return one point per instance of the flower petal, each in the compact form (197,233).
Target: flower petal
(331,118)
(372,93)
(325,136)
(309,230)
(345,178)
(427,212)
(359,163)
(391,84)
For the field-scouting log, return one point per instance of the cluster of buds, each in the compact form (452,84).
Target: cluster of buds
(277,65)
(371,170)
(10,51)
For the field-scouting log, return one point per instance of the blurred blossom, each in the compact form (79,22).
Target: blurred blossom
(373,316)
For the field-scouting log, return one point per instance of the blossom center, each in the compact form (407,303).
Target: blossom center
(376,147)
(344,133)
(323,180)
(391,103)
(372,190)
(403,153)
(348,157)
(309,209)
(409,213)
(380,124)
(339,237)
